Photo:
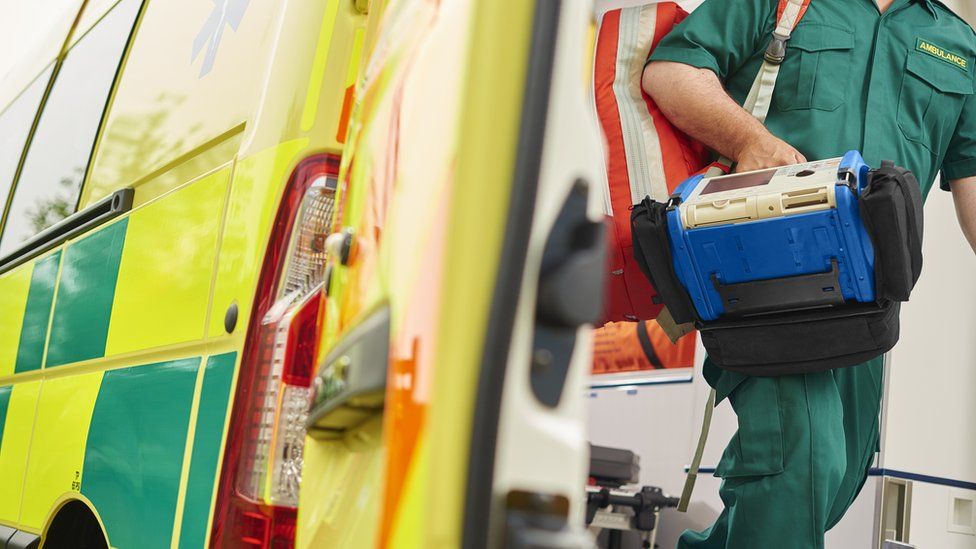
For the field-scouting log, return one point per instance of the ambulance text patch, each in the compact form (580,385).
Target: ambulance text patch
(940,53)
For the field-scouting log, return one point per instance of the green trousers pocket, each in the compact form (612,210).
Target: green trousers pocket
(756,449)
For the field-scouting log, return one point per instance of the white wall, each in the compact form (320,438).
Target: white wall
(930,413)
(965,8)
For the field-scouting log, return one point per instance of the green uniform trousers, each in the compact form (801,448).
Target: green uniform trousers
(799,458)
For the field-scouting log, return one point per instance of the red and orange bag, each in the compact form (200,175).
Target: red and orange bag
(646,154)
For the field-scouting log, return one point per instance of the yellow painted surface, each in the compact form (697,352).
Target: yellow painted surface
(341,479)
(13,451)
(318,65)
(57,453)
(423,83)
(250,211)
(168,103)
(288,111)
(167,264)
(477,219)
(14,286)
(199,162)
(357,57)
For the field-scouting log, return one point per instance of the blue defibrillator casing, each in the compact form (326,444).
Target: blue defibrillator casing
(789,238)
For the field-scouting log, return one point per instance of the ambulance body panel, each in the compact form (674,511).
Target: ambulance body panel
(121,344)
(437,172)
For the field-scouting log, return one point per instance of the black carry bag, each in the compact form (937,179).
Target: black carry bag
(812,340)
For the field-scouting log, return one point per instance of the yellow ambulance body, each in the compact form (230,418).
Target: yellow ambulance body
(464,265)
(167,173)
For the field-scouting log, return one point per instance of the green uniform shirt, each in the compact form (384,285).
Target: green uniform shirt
(895,86)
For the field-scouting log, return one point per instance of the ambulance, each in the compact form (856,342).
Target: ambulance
(168,171)
(465,266)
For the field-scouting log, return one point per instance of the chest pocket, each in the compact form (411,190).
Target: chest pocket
(808,78)
(932,95)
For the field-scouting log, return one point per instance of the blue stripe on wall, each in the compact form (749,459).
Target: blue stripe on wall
(928,479)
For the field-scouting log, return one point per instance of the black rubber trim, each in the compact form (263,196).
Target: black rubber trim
(491,377)
(97,214)
(645,342)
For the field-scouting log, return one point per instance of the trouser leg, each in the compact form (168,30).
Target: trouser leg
(860,391)
(783,467)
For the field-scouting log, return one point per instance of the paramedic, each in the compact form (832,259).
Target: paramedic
(893,79)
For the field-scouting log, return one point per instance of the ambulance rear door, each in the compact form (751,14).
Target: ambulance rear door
(529,454)
(466,264)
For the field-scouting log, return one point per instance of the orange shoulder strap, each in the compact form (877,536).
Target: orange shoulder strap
(804,4)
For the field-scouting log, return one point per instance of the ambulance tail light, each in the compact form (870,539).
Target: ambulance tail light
(258,487)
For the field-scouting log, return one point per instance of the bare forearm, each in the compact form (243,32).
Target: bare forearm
(694,100)
(964,196)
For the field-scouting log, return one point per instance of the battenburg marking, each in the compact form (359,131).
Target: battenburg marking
(947,56)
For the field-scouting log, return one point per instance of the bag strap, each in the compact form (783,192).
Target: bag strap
(699,451)
(757,103)
(788,16)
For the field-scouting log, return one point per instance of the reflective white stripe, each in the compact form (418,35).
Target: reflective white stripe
(642,147)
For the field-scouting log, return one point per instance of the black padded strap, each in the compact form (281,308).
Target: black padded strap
(645,342)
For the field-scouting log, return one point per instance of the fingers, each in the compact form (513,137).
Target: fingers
(771,153)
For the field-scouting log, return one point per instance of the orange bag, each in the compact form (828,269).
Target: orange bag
(638,346)
(645,153)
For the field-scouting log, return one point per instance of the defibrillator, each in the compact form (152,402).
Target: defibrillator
(773,240)
(788,270)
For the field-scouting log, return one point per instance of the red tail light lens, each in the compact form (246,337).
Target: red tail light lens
(258,486)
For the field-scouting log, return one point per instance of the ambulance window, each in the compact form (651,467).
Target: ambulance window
(49,185)
(15,124)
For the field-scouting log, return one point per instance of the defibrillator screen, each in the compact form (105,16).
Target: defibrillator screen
(739,181)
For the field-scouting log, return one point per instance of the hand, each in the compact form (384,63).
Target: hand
(768,152)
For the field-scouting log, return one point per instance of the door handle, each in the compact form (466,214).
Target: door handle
(350,386)
(571,284)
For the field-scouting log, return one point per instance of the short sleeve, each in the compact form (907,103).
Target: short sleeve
(720,35)
(960,159)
